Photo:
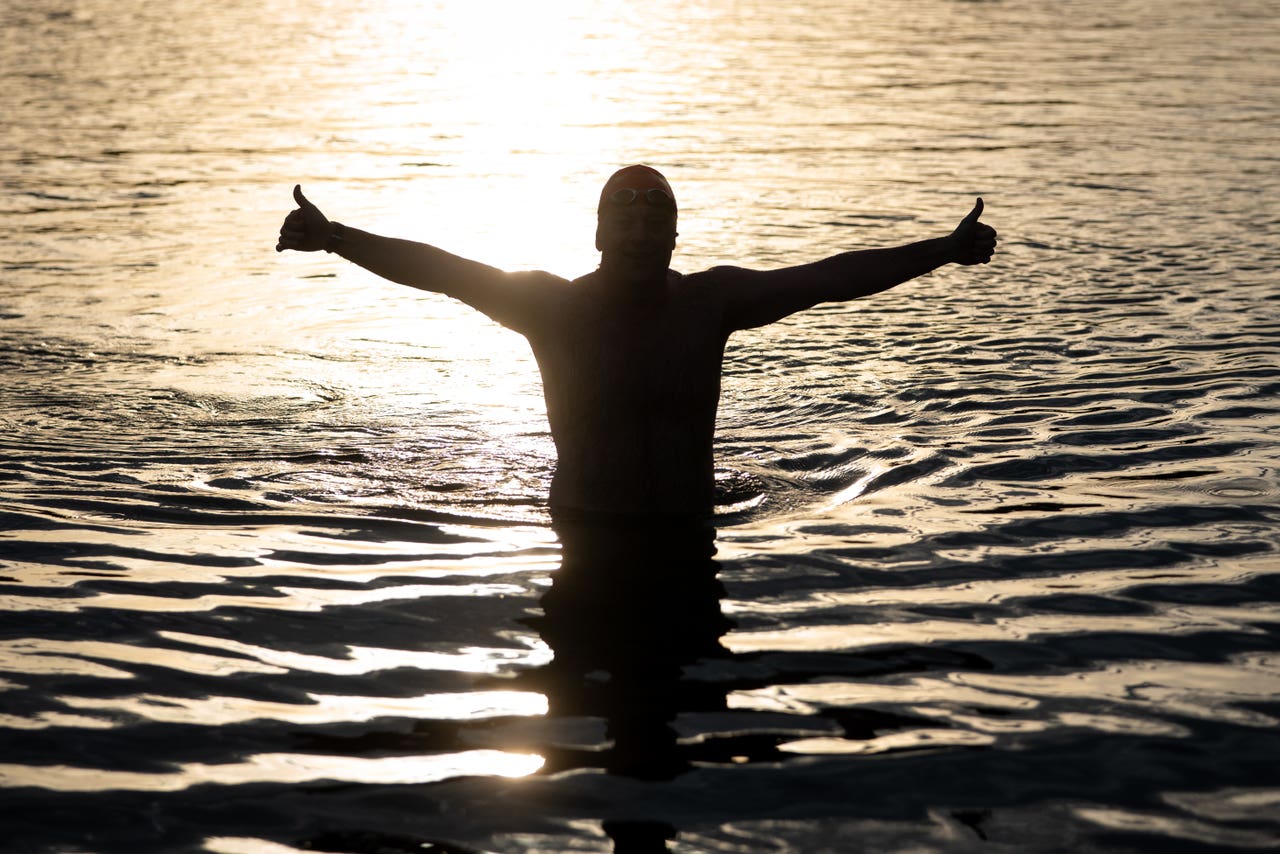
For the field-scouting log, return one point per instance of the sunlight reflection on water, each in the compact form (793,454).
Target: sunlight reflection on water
(273,525)
(287,768)
(317,708)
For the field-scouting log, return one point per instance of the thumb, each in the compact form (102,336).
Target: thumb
(973,214)
(302,200)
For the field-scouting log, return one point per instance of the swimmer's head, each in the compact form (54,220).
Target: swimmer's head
(636,226)
(636,185)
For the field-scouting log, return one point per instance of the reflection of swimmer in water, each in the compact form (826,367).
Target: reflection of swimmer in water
(630,354)
(633,602)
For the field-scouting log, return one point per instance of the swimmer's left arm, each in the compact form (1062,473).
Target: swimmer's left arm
(755,298)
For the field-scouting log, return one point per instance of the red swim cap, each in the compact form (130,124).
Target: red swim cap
(637,177)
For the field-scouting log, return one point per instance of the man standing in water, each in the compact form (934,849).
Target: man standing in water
(631,354)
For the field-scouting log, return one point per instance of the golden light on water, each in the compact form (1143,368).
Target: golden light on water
(321,708)
(257,513)
(505,119)
(246,845)
(293,599)
(279,768)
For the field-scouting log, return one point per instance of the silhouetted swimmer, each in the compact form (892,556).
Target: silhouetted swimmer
(631,353)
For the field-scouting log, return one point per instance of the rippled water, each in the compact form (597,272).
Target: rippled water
(998,553)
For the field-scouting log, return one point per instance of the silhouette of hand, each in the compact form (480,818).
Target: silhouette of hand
(305,229)
(973,242)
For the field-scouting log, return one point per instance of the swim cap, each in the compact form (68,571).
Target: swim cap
(637,177)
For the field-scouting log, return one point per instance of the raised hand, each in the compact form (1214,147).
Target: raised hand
(305,229)
(973,242)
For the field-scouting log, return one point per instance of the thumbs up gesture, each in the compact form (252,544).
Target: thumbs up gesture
(973,242)
(305,229)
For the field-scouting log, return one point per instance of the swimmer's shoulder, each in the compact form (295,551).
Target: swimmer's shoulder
(523,300)
(719,276)
(718,281)
(539,279)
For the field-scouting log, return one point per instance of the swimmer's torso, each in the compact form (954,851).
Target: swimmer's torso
(631,382)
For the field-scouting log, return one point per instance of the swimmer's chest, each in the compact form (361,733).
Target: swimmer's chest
(639,351)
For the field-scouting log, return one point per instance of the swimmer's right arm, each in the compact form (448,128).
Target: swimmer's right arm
(406,262)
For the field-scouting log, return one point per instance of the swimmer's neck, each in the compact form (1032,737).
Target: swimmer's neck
(650,286)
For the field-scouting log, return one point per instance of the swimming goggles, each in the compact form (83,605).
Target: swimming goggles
(652,196)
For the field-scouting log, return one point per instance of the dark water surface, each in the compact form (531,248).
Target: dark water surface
(998,557)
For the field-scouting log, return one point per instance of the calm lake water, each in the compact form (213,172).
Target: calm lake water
(999,559)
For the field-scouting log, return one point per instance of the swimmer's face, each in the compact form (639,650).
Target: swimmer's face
(636,240)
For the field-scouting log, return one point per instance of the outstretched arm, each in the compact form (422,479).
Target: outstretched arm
(501,295)
(755,298)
